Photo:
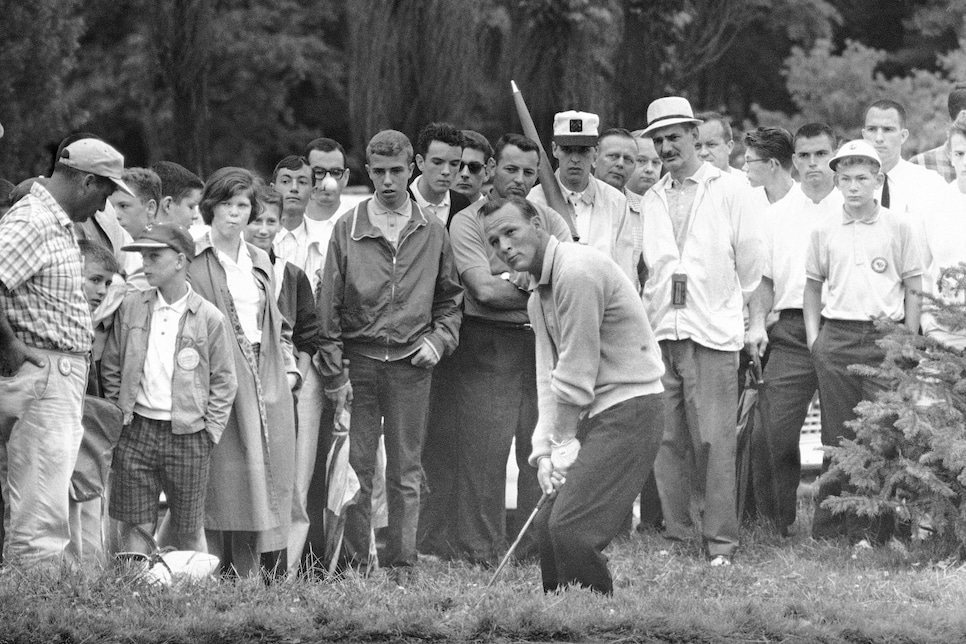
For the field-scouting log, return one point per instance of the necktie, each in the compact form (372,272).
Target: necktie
(885,192)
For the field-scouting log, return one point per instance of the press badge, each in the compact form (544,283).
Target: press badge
(679,290)
(188,358)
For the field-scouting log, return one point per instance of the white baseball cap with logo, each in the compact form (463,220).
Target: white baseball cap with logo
(96,157)
(575,128)
(856,148)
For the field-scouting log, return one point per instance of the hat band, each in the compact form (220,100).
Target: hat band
(671,116)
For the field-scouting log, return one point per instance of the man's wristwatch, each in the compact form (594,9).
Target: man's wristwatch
(505,275)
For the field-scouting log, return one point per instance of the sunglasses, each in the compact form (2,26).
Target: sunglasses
(475,166)
(321,172)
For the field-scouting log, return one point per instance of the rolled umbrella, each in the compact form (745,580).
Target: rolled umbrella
(551,189)
(342,486)
(747,404)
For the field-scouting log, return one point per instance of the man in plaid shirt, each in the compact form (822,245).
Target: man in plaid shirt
(45,339)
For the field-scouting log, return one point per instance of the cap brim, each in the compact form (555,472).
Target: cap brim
(123,186)
(834,161)
(677,120)
(136,246)
(586,140)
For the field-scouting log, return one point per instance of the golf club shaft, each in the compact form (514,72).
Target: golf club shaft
(509,553)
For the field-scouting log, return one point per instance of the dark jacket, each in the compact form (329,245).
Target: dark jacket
(377,299)
(457,202)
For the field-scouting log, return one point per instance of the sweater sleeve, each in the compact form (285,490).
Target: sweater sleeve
(540,441)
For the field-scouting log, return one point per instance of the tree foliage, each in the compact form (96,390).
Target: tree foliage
(836,88)
(908,457)
(38,46)
(216,82)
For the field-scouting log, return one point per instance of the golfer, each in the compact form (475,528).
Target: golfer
(598,388)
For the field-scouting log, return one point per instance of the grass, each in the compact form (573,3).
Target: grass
(791,590)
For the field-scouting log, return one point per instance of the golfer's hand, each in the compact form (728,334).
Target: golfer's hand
(545,475)
(563,455)
(14,354)
(425,357)
(756,340)
(340,397)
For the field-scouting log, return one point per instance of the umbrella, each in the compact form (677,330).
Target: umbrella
(342,487)
(747,404)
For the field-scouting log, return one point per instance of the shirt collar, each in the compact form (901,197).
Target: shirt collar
(848,219)
(547,269)
(178,307)
(406,210)
(588,195)
(41,193)
(422,202)
(299,233)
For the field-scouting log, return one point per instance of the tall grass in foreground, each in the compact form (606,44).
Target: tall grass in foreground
(792,590)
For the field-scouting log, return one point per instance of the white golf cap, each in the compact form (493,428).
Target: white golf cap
(575,128)
(856,148)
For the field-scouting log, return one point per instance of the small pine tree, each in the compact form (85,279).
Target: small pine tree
(908,457)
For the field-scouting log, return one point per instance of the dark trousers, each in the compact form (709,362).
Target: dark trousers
(437,513)
(392,399)
(497,402)
(618,446)
(841,343)
(790,385)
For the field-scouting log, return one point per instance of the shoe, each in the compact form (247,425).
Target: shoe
(721,560)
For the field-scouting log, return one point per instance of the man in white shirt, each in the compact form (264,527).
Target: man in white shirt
(647,169)
(768,161)
(330,168)
(476,166)
(716,141)
(908,188)
(790,372)
(598,210)
(439,151)
(703,248)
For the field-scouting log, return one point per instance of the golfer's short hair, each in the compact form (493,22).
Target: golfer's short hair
(390,143)
(526,208)
(523,143)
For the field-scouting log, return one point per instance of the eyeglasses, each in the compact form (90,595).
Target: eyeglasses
(320,172)
(475,166)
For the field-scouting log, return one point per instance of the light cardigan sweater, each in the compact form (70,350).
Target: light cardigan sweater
(594,345)
(722,259)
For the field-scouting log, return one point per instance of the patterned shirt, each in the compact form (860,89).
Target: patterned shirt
(937,159)
(41,273)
